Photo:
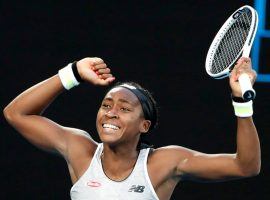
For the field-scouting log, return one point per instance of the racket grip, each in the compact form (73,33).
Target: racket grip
(248,93)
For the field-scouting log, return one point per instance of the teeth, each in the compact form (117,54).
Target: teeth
(110,126)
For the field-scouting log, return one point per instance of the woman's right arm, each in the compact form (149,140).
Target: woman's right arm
(24,112)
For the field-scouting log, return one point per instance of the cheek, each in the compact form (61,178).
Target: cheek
(99,114)
(133,123)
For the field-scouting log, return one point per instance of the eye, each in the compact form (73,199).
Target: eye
(104,105)
(125,109)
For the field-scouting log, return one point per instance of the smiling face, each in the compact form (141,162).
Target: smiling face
(120,118)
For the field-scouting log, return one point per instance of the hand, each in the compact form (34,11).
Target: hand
(95,71)
(243,66)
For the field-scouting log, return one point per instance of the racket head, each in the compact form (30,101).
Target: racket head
(233,40)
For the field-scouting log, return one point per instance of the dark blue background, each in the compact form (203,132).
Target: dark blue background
(160,44)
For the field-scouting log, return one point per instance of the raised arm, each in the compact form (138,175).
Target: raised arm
(24,112)
(194,165)
(246,161)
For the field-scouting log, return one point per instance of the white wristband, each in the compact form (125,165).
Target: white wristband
(243,109)
(67,77)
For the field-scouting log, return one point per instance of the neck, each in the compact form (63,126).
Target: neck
(119,161)
(120,152)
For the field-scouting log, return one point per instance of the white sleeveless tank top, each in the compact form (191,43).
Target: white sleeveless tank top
(95,185)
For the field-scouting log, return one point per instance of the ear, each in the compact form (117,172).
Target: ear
(145,125)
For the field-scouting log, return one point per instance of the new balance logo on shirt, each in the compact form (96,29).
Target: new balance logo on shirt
(137,188)
(133,188)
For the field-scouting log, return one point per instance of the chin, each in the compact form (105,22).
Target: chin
(109,139)
(111,143)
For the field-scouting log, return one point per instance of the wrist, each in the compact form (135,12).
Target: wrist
(236,94)
(76,73)
(238,99)
(69,76)
(242,108)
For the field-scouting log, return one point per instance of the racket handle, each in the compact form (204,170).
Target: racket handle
(248,93)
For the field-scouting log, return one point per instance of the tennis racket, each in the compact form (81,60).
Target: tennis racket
(233,40)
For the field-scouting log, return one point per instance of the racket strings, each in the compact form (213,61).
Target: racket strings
(231,45)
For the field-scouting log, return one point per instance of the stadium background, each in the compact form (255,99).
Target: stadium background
(160,44)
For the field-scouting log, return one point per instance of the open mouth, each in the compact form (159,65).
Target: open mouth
(111,126)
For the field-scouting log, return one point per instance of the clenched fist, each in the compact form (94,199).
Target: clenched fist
(95,71)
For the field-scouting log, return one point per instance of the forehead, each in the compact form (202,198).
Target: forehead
(120,93)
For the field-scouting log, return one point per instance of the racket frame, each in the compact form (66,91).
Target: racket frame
(222,31)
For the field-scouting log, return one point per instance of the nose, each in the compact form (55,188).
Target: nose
(112,114)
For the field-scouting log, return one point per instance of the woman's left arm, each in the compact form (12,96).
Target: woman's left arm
(247,159)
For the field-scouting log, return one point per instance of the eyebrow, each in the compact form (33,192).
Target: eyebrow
(121,100)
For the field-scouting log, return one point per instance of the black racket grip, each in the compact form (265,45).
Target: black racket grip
(249,95)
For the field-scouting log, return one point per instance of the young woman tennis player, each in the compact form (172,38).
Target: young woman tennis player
(120,167)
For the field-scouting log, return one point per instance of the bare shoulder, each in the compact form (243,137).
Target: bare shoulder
(79,143)
(79,133)
(162,167)
(80,150)
(170,152)
(169,157)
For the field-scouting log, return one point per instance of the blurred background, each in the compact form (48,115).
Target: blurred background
(159,44)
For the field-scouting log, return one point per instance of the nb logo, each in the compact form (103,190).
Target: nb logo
(137,188)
